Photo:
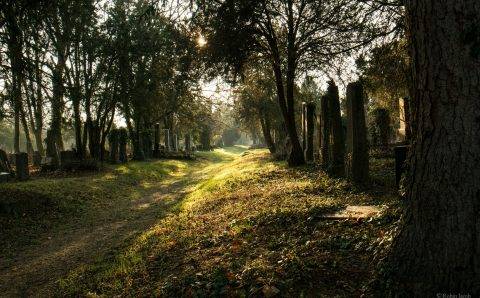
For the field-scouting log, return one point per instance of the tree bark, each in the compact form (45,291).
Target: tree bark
(265,124)
(438,248)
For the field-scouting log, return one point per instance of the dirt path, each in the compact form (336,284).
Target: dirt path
(35,269)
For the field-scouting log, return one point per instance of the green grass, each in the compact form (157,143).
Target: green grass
(29,209)
(251,227)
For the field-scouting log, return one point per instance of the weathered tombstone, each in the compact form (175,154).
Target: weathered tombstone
(37,159)
(325,120)
(52,152)
(188,144)
(357,134)
(122,142)
(309,130)
(67,159)
(21,166)
(147,143)
(114,144)
(405,119)
(337,163)
(304,125)
(167,138)
(400,158)
(156,147)
(175,142)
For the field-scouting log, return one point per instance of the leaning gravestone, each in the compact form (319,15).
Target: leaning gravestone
(21,166)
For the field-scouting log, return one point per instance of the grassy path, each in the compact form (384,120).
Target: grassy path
(109,210)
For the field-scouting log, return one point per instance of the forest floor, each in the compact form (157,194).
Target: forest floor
(231,223)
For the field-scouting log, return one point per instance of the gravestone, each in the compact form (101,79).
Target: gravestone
(309,127)
(113,140)
(37,159)
(21,166)
(400,158)
(122,143)
(67,159)
(188,145)
(156,148)
(357,145)
(166,132)
(304,126)
(175,142)
(404,131)
(337,162)
(325,120)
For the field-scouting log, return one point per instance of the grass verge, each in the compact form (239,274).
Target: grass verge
(252,228)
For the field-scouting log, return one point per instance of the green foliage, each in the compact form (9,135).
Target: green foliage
(380,127)
(385,74)
(230,136)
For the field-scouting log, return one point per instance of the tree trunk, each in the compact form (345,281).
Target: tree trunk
(265,124)
(438,248)
(57,101)
(26,131)
(77,124)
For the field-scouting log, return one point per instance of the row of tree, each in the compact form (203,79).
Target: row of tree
(80,65)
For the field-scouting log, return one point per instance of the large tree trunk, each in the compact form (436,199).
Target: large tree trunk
(438,248)
(57,100)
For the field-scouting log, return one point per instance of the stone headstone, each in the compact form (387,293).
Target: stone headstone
(188,142)
(325,121)
(21,166)
(404,130)
(166,132)
(114,146)
(357,145)
(175,142)
(304,125)
(337,152)
(67,158)
(156,145)
(309,128)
